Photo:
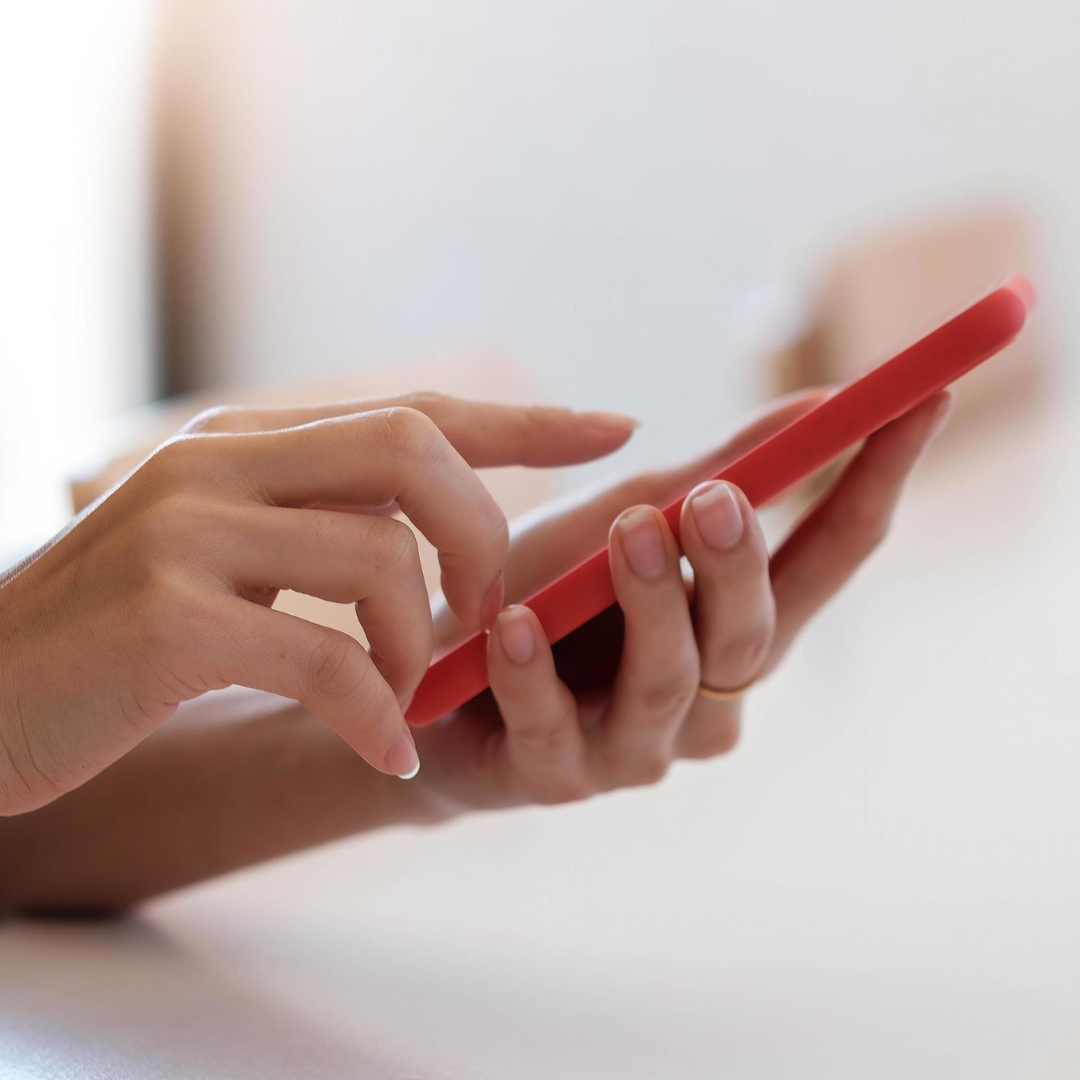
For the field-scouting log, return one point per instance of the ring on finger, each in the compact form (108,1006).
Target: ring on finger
(715,694)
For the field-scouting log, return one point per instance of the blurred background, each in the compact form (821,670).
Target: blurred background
(633,201)
(675,209)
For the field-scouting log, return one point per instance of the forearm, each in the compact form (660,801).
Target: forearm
(240,779)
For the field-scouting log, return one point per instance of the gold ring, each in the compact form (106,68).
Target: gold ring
(713,694)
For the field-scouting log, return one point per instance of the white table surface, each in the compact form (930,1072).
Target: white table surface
(883,881)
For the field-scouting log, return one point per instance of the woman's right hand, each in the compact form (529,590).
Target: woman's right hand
(162,590)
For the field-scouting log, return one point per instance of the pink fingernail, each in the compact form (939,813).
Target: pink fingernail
(516,635)
(643,543)
(718,516)
(402,759)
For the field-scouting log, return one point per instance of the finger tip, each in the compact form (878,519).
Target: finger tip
(719,516)
(620,438)
(607,420)
(516,635)
(606,439)
(631,515)
(401,758)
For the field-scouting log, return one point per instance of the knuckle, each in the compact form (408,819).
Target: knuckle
(543,748)
(391,560)
(425,401)
(400,551)
(218,418)
(540,739)
(648,768)
(671,696)
(725,738)
(743,655)
(713,741)
(169,462)
(154,590)
(191,461)
(176,465)
(563,789)
(164,609)
(332,672)
(409,431)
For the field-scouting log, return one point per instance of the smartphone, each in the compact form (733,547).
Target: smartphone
(804,446)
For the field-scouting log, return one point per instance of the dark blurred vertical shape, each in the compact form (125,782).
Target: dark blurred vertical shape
(177,152)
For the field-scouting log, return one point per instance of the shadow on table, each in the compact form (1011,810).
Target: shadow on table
(124,1000)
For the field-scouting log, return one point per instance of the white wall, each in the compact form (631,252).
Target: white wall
(593,185)
(74,282)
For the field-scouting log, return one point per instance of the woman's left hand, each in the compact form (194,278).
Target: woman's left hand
(620,699)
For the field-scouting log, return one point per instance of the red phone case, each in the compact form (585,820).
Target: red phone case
(846,418)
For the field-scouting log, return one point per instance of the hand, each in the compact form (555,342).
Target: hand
(163,590)
(617,701)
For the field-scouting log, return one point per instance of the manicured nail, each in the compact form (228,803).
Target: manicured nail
(607,419)
(642,543)
(718,516)
(402,759)
(516,635)
(492,603)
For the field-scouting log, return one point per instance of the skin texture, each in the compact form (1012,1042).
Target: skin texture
(241,777)
(162,591)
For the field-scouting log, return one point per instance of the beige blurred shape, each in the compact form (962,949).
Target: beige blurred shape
(882,292)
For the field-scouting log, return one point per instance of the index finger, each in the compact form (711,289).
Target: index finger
(484,433)
(378,457)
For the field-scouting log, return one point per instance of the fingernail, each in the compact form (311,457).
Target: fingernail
(718,516)
(516,635)
(402,759)
(642,543)
(492,603)
(605,418)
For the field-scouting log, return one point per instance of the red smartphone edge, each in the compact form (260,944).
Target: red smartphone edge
(850,415)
